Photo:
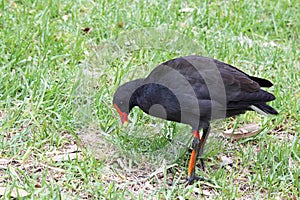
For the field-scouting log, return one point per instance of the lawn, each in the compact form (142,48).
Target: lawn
(61,61)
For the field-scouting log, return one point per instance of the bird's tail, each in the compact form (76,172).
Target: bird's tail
(264,109)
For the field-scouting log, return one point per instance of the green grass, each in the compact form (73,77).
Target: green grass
(57,84)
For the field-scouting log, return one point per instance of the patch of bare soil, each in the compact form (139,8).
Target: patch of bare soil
(125,172)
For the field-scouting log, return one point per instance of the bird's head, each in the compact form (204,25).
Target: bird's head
(123,99)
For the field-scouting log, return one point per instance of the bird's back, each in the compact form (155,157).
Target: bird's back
(209,79)
(201,88)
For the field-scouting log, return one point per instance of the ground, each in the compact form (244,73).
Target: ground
(60,137)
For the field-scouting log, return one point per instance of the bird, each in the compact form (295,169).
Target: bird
(194,90)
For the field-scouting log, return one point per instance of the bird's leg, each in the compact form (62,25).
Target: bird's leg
(202,164)
(205,134)
(196,148)
(198,145)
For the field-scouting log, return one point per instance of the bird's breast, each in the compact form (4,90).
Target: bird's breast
(159,101)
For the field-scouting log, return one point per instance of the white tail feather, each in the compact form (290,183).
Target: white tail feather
(258,110)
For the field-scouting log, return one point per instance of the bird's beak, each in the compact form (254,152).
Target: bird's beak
(124,119)
(123,116)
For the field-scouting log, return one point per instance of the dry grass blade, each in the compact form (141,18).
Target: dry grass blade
(161,169)
(4,162)
(247,131)
(65,157)
(13,192)
(226,161)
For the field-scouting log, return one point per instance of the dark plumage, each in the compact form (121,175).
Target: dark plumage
(194,90)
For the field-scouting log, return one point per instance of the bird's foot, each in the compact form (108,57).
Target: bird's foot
(191,179)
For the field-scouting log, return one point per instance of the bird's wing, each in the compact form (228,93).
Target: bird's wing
(206,78)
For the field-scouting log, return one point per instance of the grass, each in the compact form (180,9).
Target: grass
(61,62)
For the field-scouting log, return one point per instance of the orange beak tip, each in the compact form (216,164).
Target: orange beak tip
(125,123)
(124,119)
